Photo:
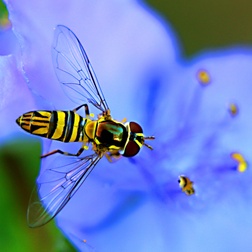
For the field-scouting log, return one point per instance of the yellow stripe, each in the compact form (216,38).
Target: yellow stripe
(75,128)
(26,126)
(44,114)
(40,131)
(60,125)
(40,124)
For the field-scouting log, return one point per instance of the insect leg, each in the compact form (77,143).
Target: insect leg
(64,153)
(112,157)
(86,109)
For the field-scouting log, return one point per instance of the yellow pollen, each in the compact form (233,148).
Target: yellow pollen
(233,109)
(203,77)
(124,120)
(242,163)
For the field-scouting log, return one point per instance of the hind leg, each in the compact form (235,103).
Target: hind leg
(65,153)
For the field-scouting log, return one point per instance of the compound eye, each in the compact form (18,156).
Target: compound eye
(132,148)
(135,127)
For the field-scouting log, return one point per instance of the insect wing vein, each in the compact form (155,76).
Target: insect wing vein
(54,189)
(74,70)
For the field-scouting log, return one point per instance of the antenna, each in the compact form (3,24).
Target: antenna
(148,138)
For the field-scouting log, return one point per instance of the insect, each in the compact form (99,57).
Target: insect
(186,185)
(106,136)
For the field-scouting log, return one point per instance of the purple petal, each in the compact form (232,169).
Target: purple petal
(15,96)
(136,204)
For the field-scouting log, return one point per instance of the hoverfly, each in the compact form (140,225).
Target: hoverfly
(186,185)
(107,137)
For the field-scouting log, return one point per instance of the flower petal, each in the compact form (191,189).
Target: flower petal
(15,97)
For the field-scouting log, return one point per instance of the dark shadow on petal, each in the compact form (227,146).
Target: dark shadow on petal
(129,203)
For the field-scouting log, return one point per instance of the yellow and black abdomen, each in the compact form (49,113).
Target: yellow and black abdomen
(65,126)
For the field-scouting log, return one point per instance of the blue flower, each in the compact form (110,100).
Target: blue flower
(198,110)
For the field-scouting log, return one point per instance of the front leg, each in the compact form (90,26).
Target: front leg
(86,109)
(112,157)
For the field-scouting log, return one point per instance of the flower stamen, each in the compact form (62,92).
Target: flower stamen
(203,77)
(242,163)
(233,109)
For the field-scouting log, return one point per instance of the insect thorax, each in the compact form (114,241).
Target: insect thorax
(108,133)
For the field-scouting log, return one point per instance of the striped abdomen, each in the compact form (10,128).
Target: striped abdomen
(65,126)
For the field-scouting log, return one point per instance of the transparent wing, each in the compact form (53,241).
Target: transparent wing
(56,186)
(74,70)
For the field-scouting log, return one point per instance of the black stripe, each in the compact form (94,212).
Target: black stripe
(61,138)
(64,130)
(69,126)
(80,129)
(36,127)
(37,121)
(27,116)
(52,124)
(38,114)
(185,181)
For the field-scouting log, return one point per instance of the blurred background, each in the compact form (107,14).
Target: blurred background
(199,25)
